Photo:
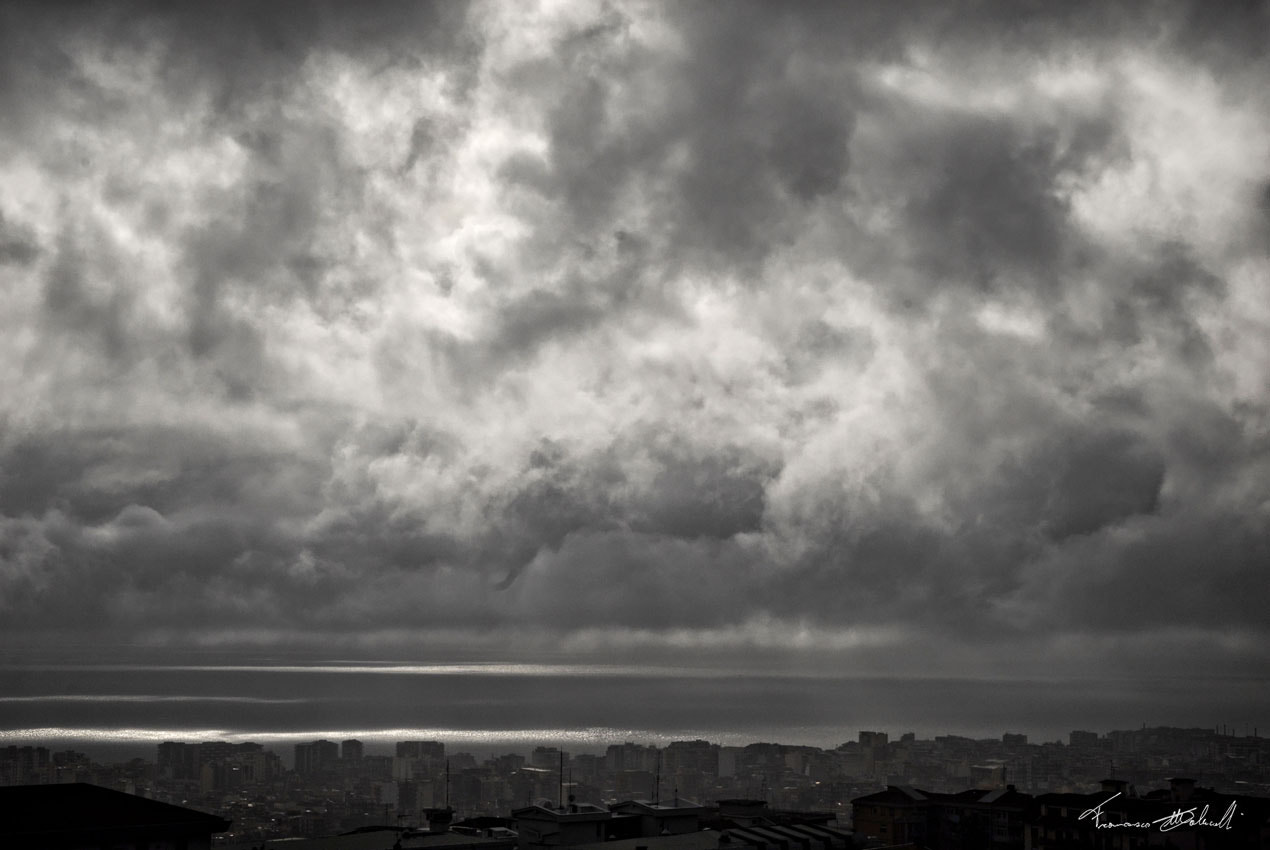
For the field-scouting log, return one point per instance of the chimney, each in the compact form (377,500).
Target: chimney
(1181,788)
(439,819)
(1114,786)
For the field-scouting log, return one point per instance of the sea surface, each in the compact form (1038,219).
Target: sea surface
(115,710)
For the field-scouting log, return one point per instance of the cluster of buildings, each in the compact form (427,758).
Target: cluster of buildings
(78,816)
(949,792)
(1116,817)
(1230,763)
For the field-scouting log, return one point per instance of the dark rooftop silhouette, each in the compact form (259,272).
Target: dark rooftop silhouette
(81,815)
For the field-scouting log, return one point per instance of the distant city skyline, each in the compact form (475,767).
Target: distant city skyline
(441,744)
(757,348)
(952,791)
(490,706)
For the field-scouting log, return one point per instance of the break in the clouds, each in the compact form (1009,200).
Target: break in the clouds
(911,337)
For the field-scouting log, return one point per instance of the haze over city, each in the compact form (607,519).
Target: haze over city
(749,371)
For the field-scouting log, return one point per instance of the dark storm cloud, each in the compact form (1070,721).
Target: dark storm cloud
(982,208)
(540,317)
(758,325)
(259,250)
(76,304)
(727,137)
(1180,574)
(1084,482)
(241,52)
(718,495)
(1228,37)
(646,485)
(110,525)
(17,245)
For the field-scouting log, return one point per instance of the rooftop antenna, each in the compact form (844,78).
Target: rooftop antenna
(657,782)
(561,797)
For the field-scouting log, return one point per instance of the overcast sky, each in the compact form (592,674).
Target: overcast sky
(874,336)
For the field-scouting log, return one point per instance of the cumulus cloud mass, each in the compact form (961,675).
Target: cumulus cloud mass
(899,337)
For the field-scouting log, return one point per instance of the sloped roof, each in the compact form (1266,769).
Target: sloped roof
(50,813)
(685,806)
(585,811)
(821,831)
(384,838)
(683,841)
(893,794)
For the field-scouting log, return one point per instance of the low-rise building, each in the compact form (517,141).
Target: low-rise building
(545,826)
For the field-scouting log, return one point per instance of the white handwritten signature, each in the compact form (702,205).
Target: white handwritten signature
(1179,818)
